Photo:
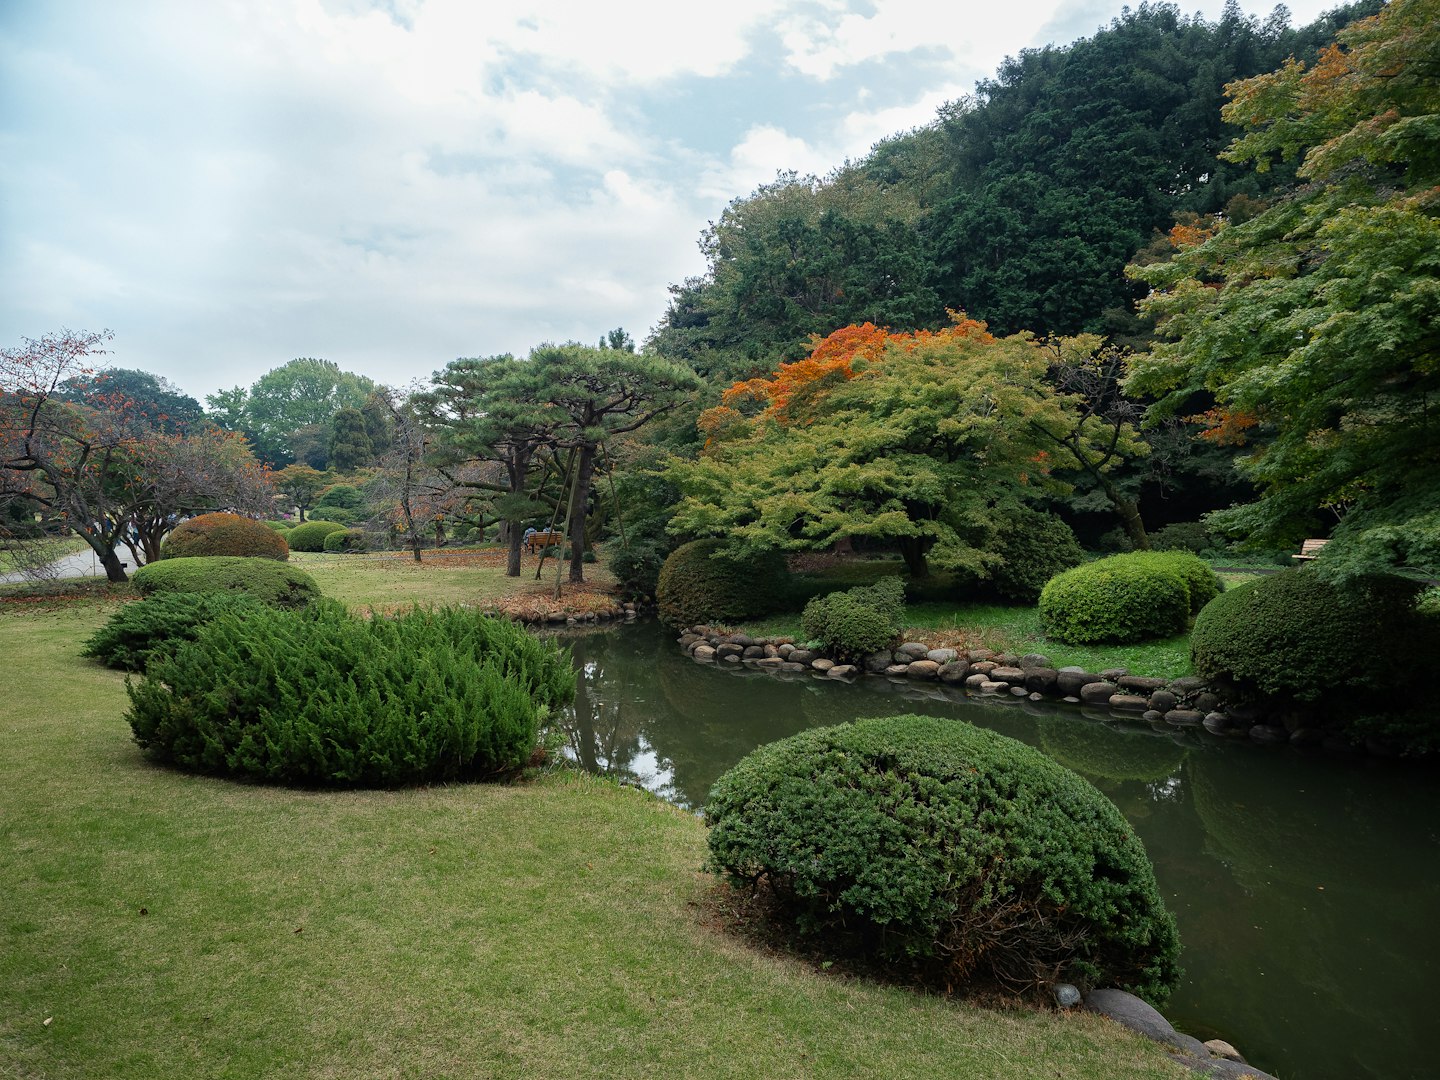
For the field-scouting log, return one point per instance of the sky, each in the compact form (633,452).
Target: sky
(391,184)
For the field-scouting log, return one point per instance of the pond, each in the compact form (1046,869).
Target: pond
(1307,889)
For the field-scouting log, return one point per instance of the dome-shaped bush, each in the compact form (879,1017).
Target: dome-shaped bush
(321,697)
(1125,598)
(1292,637)
(343,540)
(223,534)
(698,584)
(311,535)
(266,580)
(920,839)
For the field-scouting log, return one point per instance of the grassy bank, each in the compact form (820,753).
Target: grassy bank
(160,924)
(932,618)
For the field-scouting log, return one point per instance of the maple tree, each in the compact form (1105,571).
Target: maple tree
(920,439)
(1317,321)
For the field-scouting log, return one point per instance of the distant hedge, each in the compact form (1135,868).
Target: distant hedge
(223,534)
(343,540)
(311,535)
(947,850)
(320,697)
(268,581)
(698,583)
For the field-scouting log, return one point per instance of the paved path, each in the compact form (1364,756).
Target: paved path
(79,565)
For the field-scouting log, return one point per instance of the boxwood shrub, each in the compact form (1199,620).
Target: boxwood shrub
(1359,657)
(699,584)
(264,579)
(343,540)
(857,621)
(321,698)
(311,535)
(947,850)
(139,632)
(1137,596)
(223,534)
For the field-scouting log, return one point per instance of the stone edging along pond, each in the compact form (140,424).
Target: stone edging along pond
(1169,703)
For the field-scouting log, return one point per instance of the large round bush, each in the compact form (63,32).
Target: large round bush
(268,581)
(1347,654)
(311,535)
(223,534)
(320,697)
(919,839)
(1125,598)
(347,540)
(698,584)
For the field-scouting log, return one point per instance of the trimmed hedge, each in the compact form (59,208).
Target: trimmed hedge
(1137,596)
(311,535)
(1293,639)
(139,633)
(699,584)
(266,580)
(223,534)
(319,697)
(934,844)
(351,540)
(858,621)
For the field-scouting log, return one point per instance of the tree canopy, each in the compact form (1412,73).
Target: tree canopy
(1317,321)
(303,392)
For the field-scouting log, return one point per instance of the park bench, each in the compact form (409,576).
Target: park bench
(1310,549)
(538,541)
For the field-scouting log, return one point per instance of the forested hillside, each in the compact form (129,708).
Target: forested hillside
(1020,205)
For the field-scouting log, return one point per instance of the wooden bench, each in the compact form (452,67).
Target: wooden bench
(1310,549)
(539,541)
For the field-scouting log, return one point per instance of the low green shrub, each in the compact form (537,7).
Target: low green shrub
(223,534)
(322,698)
(311,535)
(1028,547)
(140,633)
(636,565)
(936,845)
(1360,657)
(699,584)
(1191,536)
(857,621)
(1121,599)
(266,580)
(278,526)
(347,540)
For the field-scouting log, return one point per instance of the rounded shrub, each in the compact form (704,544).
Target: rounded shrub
(699,584)
(223,534)
(935,844)
(267,581)
(1293,638)
(1032,548)
(319,697)
(1126,598)
(347,540)
(281,527)
(311,535)
(139,633)
(858,621)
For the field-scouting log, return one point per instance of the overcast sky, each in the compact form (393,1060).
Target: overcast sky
(229,184)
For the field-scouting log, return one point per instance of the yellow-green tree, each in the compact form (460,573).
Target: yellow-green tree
(1317,321)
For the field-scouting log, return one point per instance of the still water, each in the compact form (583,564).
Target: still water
(1307,889)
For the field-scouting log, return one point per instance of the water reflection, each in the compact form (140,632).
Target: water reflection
(1307,889)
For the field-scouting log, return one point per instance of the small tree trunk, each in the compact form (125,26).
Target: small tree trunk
(912,550)
(512,548)
(576,526)
(114,568)
(1129,513)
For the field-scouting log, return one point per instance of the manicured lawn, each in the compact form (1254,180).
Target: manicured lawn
(475,577)
(160,924)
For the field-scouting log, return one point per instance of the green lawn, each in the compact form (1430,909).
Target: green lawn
(159,924)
